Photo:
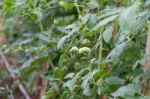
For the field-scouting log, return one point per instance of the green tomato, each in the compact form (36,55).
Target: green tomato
(85,42)
(74,49)
(84,51)
(62,3)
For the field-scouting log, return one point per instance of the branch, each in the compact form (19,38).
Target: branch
(8,67)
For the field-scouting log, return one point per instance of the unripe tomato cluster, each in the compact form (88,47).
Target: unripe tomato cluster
(80,51)
(84,50)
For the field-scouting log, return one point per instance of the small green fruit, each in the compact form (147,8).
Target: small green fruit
(74,49)
(84,50)
(61,3)
(85,42)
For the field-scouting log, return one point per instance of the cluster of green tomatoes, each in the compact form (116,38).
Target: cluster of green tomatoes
(84,50)
(81,53)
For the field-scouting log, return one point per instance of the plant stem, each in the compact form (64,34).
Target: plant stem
(51,63)
(76,4)
(40,25)
(100,48)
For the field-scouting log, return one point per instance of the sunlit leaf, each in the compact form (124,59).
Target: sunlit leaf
(128,17)
(128,90)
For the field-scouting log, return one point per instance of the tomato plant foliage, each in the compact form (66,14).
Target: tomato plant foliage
(93,48)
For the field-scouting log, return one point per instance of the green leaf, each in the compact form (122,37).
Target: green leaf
(38,13)
(63,61)
(128,90)
(61,42)
(116,52)
(44,37)
(30,70)
(107,34)
(66,5)
(114,80)
(103,89)
(51,93)
(9,1)
(100,24)
(86,18)
(111,12)
(9,5)
(32,65)
(104,22)
(141,21)
(137,97)
(29,62)
(87,90)
(128,18)
(71,84)
(59,73)
(66,37)
(93,20)
(93,4)
(86,83)
(131,52)
(70,75)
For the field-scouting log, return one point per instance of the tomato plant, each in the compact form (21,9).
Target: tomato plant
(74,49)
